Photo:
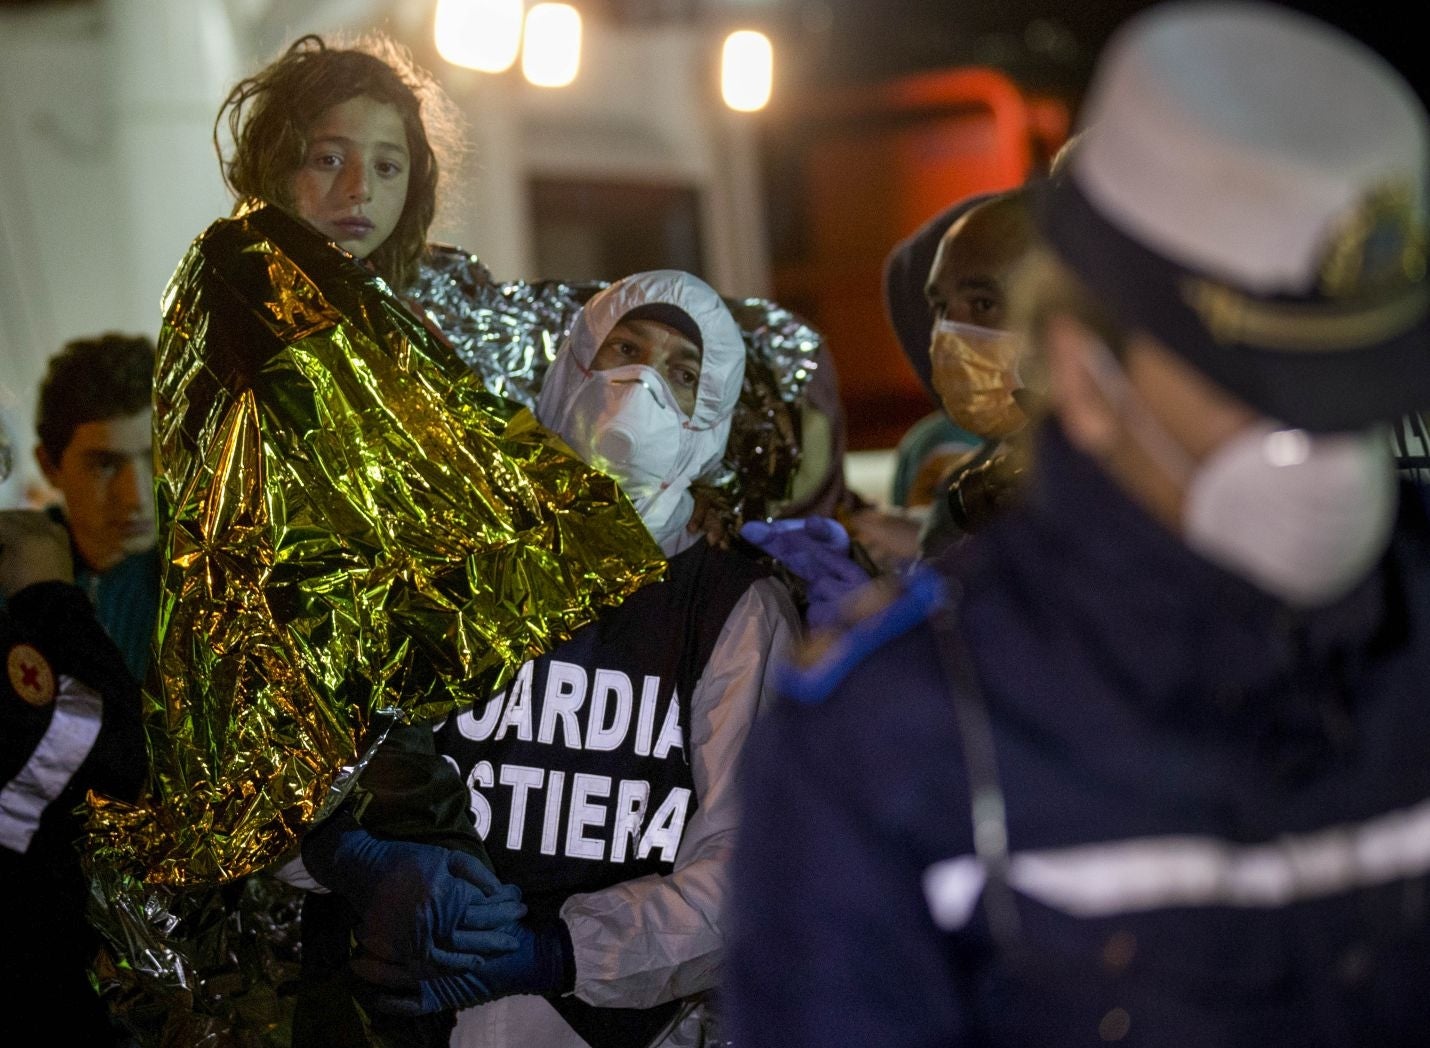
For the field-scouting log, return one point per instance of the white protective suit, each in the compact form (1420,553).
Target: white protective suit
(654,938)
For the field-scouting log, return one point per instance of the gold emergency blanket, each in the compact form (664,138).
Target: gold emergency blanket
(355,529)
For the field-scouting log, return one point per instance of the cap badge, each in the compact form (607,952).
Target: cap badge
(1372,286)
(1378,248)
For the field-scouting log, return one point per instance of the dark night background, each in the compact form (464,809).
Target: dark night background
(1045,46)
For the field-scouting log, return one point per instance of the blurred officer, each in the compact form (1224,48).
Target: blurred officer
(69,722)
(1144,762)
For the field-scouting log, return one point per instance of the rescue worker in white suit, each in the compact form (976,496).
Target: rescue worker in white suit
(603,779)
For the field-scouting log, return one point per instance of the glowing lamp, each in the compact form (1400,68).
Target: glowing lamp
(551,55)
(747,70)
(478,34)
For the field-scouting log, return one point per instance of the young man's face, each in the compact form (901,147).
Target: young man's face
(106,476)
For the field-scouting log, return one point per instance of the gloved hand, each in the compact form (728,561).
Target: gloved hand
(442,993)
(423,910)
(542,963)
(817,550)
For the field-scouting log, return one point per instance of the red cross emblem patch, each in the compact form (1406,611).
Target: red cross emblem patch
(30,675)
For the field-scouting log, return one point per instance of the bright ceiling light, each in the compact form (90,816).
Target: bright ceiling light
(479,34)
(551,56)
(747,70)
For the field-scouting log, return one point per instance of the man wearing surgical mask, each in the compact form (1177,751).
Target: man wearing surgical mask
(603,778)
(1156,769)
(978,366)
(959,464)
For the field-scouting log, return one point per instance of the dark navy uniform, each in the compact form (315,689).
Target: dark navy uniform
(69,722)
(1203,820)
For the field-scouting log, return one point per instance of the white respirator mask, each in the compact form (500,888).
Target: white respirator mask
(1305,516)
(626,423)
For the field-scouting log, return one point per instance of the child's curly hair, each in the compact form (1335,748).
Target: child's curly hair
(270,113)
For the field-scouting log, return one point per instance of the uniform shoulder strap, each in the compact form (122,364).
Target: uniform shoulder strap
(881,612)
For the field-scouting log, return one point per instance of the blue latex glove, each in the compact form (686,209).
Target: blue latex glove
(817,550)
(542,963)
(443,993)
(423,910)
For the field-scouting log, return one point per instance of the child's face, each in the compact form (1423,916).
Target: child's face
(352,185)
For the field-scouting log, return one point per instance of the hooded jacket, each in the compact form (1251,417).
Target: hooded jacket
(722,370)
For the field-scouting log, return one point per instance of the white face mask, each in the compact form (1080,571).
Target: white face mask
(1305,516)
(626,423)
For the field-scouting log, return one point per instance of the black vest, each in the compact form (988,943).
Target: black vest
(580,769)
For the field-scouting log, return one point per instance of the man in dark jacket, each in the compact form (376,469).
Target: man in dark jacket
(1144,762)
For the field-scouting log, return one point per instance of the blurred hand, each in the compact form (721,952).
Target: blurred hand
(33,548)
(890,537)
(709,517)
(979,494)
(930,480)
